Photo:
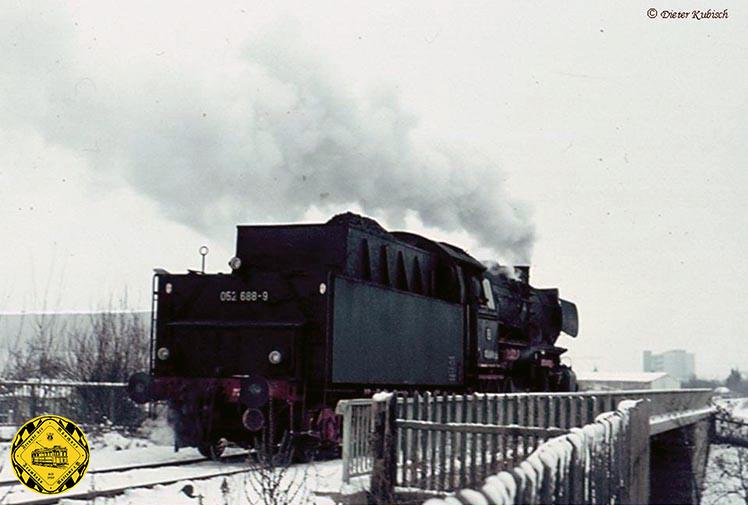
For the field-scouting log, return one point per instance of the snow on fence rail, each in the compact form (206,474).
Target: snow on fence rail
(443,456)
(606,461)
(541,410)
(83,402)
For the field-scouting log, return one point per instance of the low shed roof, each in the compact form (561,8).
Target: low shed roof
(620,376)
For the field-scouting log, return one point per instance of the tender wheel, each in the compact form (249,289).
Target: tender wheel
(305,449)
(544,382)
(508,386)
(293,448)
(213,450)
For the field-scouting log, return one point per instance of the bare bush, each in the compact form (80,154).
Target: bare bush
(37,357)
(729,483)
(107,347)
(272,479)
(112,347)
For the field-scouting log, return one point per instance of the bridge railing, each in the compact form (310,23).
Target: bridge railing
(529,410)
(730,429)
(444,455)
(358,426)
(88,403)
(603,462)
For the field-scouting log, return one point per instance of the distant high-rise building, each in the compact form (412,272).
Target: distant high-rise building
(678,363)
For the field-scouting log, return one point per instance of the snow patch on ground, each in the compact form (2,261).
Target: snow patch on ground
(723,483)
(740,408)
(158,430)
(322,482)
(8,432)
(113,441)
(727,469)
(230,490)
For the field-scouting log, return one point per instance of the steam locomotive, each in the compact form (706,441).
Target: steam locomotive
(314,313)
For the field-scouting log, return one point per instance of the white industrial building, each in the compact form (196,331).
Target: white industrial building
(678,363)
(615,381)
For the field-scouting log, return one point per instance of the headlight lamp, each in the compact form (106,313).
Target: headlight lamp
(275,357)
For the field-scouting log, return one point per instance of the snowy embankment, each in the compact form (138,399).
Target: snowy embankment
(740,409)
(316,482)
(727,470)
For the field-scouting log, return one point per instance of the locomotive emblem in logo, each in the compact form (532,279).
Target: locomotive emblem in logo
(50,454)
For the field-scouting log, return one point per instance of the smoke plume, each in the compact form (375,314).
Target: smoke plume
(257,135)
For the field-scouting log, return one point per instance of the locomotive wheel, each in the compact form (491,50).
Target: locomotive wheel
(213,450)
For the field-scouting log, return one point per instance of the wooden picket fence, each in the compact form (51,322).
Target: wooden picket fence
(604,462)
(515,410)
(357,429)
(434,430)
(447,442)
(88,403)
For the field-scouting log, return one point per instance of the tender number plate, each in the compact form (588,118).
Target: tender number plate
(244,296)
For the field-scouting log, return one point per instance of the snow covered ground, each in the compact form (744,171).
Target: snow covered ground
(740,408)
(320,483)
(727,470)
(723,481)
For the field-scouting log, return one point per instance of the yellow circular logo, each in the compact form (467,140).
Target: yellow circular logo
(50,454)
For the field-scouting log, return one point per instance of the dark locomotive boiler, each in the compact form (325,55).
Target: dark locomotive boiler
(315,313)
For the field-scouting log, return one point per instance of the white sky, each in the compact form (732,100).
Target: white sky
(626,137)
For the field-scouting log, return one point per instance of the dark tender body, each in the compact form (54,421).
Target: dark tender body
(315,313)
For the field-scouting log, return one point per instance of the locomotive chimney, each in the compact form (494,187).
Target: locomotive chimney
(522,273)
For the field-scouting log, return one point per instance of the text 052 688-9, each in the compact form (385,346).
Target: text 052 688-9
(244,296)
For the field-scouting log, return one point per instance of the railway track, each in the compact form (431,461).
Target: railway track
(143,475)
(233,456)
(117,490)
(124,468)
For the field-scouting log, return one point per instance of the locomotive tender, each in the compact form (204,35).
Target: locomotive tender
(315,313)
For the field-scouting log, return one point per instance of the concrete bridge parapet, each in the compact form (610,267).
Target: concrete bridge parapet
(678,460)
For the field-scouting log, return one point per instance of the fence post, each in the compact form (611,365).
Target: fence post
(578,466)
(639,453)
(347,428)
(384,450)
(34,406)
(112,416)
